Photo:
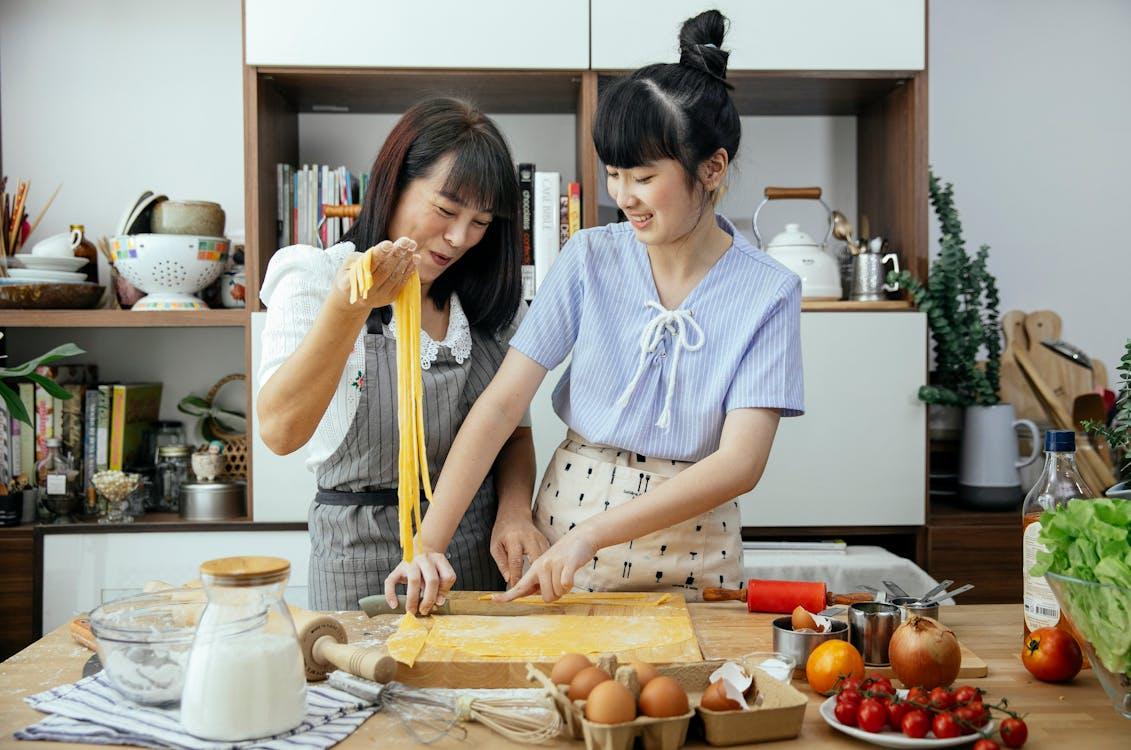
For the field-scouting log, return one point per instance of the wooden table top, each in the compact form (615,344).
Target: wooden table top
(1077,715)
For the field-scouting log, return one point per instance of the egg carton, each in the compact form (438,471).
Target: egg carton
(667,733)
(778,713)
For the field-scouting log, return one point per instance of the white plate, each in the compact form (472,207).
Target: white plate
(52,277)
(44,263)
(890,738)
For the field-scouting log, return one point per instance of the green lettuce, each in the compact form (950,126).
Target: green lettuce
(1091,540)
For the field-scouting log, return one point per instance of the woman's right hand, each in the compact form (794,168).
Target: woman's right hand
(429,568)
(385,266)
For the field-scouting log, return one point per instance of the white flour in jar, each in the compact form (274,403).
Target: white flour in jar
(244,687)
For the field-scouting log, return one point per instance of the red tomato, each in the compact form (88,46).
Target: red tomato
(850,683)
(846,713)
(883,685)
(966,693)
(1014,732)
(942,699)
(896,711)
(967,718)
(944,726)
(981,716)
(1052,655)
(984,744)
(849,696)
(916,723)
(918,696)
(872,716)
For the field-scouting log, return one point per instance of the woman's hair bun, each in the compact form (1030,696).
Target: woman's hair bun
(700,44)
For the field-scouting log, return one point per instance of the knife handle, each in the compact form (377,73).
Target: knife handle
(724,595)
(849,598)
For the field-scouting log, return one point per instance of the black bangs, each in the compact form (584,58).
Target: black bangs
(637,123)
(480,178)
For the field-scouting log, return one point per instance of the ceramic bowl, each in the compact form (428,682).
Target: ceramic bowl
(169,268)
(40,296)
(201,218)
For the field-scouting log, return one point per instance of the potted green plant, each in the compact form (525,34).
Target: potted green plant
(960,299)
(1118,433)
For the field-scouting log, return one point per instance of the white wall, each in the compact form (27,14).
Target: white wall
(113,98)
(1029,113)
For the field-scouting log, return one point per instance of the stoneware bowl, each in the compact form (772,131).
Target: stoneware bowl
(50,296)
(202,218)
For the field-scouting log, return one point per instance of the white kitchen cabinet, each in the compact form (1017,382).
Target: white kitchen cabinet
(768,34)
(858,455)
(540,35)
(81,571)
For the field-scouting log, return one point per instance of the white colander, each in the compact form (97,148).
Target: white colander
(170,268)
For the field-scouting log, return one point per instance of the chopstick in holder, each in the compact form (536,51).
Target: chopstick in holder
(17,218)
(43,210)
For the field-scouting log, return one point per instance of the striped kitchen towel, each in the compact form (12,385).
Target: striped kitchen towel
(93,711)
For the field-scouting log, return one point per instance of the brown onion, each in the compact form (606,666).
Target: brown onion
(925,653)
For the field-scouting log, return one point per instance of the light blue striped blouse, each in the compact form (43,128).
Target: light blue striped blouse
(734,343)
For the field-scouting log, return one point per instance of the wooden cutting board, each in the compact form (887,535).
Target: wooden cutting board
(1014,388)
(451,668)
(1066,378)
(972,666)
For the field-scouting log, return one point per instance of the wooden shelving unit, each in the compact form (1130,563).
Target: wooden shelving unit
(122,319)
(890,107)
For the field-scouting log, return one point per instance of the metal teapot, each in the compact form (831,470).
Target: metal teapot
(819,271)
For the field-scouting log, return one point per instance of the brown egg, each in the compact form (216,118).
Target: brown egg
(610,703)
(662,697)
(567,668)
(803,620)
(715,698)
(644,672)
(584,681)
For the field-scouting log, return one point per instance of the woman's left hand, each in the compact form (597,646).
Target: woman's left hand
(512,539)
(552,573)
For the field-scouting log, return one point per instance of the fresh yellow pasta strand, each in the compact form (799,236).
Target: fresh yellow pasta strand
(412,458)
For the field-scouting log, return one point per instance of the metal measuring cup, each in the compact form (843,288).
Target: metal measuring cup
(870,628)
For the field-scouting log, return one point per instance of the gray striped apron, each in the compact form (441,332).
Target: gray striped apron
(353,522)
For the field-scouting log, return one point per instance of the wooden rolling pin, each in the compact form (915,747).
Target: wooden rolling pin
(325,647)
(783,597)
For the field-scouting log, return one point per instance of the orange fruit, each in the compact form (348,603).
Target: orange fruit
(829,661)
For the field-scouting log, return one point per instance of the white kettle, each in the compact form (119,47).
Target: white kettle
(793,248)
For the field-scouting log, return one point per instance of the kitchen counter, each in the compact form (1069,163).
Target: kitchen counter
(1074,715)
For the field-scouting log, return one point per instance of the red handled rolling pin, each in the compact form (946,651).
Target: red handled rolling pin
(783,597)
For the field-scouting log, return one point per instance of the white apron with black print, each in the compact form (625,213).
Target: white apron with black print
(584,480)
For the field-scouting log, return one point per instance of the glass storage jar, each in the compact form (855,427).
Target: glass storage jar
(172,472)
(245,677)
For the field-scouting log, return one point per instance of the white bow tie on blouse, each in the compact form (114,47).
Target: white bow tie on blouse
(677,323)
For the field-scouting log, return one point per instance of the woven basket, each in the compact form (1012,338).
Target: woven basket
(235,443)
